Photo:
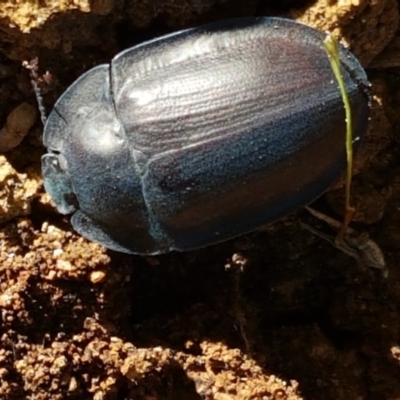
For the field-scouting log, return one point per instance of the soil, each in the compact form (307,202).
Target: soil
(277,314)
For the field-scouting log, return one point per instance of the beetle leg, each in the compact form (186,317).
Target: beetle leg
(330,239)
(355,244)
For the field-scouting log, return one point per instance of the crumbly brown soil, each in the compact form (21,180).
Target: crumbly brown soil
(278,314)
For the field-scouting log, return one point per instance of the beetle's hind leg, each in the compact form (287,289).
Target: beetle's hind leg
(355,244)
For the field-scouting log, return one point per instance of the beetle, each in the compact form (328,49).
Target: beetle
(202,135)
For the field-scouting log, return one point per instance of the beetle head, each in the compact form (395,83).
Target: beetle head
(91,170)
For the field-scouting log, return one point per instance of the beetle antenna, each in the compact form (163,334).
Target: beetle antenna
(33,67)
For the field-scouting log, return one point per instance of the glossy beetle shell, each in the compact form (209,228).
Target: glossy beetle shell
(202,135)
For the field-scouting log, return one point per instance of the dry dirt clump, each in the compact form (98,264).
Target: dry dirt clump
(26,15)
(17,190)
(367,26)
(56,339)
(278,314)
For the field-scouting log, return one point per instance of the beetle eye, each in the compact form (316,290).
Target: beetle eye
(58,184)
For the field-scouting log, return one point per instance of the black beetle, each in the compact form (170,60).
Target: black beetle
(201,135)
